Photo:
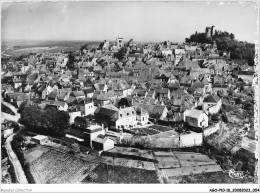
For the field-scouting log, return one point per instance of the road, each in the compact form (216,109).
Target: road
(6,116)
(20,176)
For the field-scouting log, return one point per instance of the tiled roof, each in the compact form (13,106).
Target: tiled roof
(250,73)
(213,98)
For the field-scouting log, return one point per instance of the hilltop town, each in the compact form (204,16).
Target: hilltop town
(128,112)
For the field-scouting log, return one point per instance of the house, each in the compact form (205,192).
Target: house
(121,89)
(101,87)
(142,115)
(89,92)
(125,102)
(89,107)
(102,143)
(199,87)
(212,104)
(124,118)
(73,114)
(196,118)
(62,106)
(163,93)
(159,111)
(246,76)
(104,115)
(179,53)
(102,100)
(216,60)
(78,94)
(218,79)
(222,88)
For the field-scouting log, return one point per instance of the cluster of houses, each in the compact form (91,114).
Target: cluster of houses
(167,82)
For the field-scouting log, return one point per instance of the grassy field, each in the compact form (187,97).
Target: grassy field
(209,178)
(123,175)
(54,167)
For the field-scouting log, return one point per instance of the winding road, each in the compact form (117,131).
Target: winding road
(19,173)
(20,176)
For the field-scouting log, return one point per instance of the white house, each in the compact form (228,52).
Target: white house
(179,53)
(89,108)
(125,118)
(73,115)
(212,104)
(163,94)
(142,115)
(196,118)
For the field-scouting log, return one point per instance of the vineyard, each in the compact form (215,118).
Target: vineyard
(54,167)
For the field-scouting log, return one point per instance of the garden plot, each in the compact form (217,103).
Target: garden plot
(194,159)
(56,167)
(176,163)
(32,154)
(124,162)
(132,152)
(163,153)
(186,171)
(168,162)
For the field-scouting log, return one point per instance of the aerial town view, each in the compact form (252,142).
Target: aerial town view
(117,106)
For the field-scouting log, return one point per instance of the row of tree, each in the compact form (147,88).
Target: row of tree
(47,122)
(226,42)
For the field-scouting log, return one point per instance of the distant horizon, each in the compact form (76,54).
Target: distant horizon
(143,21)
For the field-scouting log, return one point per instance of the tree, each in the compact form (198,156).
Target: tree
(48,122)
(85,46)
(71,61)
(121,53)
(232,36)
(31,117)
(226,42)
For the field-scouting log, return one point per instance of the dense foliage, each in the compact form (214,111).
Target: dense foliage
(85,46)
(226,42)
(71,61)
(49,122)
(121,53)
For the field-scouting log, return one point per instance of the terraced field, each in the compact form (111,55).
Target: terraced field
(54,167)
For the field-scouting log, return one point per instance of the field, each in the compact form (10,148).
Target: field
(34,153)
(132,152)
(153,130)
(209,178)
(16,47)
(125,162)
(124,175)
(54,167)
(176,164)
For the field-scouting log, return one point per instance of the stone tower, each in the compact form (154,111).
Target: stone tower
(119,42)
(209,32)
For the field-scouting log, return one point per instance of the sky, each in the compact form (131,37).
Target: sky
(142,21)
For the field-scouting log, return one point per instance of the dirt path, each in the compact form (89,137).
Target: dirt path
(6,116)
(21,178)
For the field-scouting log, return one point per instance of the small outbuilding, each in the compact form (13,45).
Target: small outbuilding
(40,139)
(102,143)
